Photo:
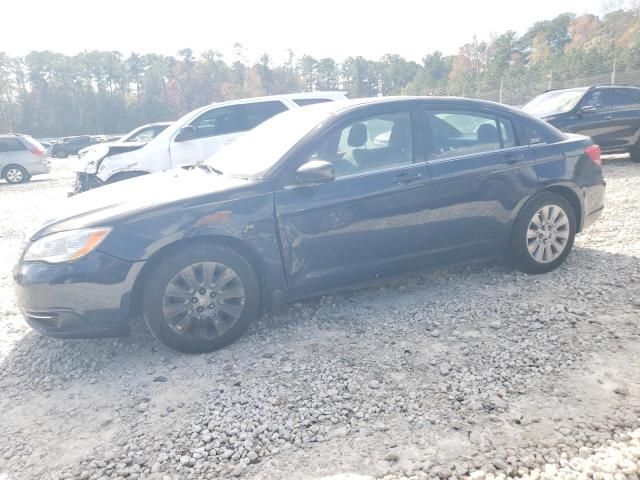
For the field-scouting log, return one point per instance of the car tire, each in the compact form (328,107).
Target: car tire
(635,152)
(543,233)
(15,174)
(178,297)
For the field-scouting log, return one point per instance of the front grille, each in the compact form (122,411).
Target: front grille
(85,181)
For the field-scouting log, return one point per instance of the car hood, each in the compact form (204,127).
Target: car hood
(92,156)
(105,204)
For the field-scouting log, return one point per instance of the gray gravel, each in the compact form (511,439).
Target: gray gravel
(471,372)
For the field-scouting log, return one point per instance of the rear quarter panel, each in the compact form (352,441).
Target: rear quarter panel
(565,164)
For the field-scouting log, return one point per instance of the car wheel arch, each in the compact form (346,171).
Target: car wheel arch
(135,303)
(570,196)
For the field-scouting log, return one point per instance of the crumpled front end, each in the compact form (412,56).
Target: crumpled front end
(84,182)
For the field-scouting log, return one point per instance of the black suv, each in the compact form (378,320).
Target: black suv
(72,145)
(609,114)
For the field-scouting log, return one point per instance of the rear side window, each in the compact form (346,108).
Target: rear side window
(303,102)
(256,113)
(620,98)
(457,133)
(11,145)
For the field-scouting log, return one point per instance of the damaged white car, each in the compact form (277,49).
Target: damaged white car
(193,138)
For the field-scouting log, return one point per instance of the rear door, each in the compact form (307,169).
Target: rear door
(218,127)
(480,171)
(624,121)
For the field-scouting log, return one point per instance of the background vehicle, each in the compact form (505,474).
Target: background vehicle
(609,114)
(94,154)
(137,137)
(194,137)
(306,202)
(72,145)
(21,157)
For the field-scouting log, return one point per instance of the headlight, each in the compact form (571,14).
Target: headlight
(65,246)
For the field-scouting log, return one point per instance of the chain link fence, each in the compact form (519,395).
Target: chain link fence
(517,91)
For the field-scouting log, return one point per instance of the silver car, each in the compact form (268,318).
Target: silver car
(21,157)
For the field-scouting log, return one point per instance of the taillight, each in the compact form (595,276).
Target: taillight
(593,152)
(37,151)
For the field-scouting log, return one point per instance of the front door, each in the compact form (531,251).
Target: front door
(596,124)
(368,220)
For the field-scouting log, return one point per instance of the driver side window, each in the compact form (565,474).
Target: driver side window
(593,99)
(368,144)
(219,121)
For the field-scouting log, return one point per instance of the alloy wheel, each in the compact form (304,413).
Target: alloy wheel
(548,233)
(14,175)
(203,301)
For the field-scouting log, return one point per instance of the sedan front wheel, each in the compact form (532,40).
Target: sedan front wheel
(201,298)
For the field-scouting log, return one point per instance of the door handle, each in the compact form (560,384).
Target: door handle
(608,117)
(512,158)
(406,178)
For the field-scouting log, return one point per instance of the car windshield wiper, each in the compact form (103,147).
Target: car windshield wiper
(208,168)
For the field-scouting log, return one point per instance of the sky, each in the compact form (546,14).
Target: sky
(321,28)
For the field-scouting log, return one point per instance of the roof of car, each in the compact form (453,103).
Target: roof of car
(341,105)
(154,124)
(590,87)
(334,95)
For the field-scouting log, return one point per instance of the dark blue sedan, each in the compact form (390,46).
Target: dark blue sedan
(312,200)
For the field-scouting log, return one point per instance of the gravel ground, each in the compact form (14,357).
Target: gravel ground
(475,371)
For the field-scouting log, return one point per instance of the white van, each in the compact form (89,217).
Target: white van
(21,157)
(193,138)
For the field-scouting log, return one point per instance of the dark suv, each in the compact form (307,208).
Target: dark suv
(609,114)
(72,145)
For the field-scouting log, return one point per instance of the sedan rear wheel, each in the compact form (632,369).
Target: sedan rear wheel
(548,233)
(201,299)
(543,233)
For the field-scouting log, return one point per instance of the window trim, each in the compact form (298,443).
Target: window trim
(481,154)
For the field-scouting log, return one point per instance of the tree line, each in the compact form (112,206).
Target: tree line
(50,94)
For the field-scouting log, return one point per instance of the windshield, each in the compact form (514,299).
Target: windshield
(558,101)
(258,150)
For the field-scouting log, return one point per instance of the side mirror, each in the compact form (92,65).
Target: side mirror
(315,172)
(588,109)
(186,133)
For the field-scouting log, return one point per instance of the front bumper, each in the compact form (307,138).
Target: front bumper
(89,297)
(85,181)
